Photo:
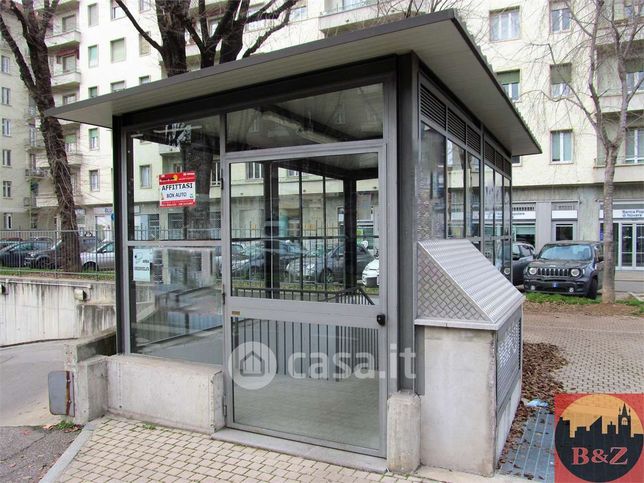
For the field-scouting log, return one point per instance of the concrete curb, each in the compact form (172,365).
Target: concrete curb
(70,453)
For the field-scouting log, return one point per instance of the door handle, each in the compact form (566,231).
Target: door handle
(381,319)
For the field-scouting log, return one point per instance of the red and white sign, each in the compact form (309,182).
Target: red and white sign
(177,189)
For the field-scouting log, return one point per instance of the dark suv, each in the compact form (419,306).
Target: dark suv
(566,267)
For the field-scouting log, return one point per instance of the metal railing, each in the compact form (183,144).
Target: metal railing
(45,253)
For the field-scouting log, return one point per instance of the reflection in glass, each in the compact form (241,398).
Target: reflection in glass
(177,303)
(473,183)
(489,201)
(347,115)
(183,147)
(455,191)
(309,230)
(430,186)
(326,383)
(507,207)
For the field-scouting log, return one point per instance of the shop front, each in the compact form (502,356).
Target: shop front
(278,215)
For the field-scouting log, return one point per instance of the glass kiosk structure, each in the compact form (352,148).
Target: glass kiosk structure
(278,203)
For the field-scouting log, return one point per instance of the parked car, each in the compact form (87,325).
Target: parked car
(567,267)
(253,259)
(522,255)
(316,270)
(15,255)
(5,242)
(100,259)
(371,274)
(53,256)
(237,252)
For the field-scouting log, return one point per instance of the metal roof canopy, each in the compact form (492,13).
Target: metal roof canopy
(439,39)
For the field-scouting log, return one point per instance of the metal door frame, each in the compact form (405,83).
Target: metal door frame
(312,312)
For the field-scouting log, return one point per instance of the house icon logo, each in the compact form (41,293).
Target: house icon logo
(252,365)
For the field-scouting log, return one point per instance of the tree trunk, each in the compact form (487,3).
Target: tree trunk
(608,289)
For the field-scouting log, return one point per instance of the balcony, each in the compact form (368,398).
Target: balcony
(35,144)
(611,101)
(35,172)
(59,40)
(49,200)
(65,79)
(31,112)
(74,156)
(624,172)
(342,15)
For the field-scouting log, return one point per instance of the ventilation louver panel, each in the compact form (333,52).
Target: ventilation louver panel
(473,139)
(456,126)
(489,153)
(432,107)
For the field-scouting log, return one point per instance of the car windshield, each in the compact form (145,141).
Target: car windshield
(566,252)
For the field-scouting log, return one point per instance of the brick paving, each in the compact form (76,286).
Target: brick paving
(604,353)
(123,450)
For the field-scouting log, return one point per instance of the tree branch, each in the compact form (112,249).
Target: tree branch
(25,73)
(262,38)
(138,27)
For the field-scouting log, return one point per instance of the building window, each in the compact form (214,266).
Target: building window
(32,135)
(68,99)
(7,221)
(511,83)
(299,11)
(6,127)
(634,146)
(117,12)
(117,50)
(92,15)
(68,23)
(254,171)
(561,146)
(92,92)
(144,45)
(214,21)
(632,10)
(6,189)
(145,173)
(94,180)
(69,63)
(505,25)
(71,143)
(117,86)
(92,56)
(6,96)
(560,78)
(559,17)
(144,79)
(6,158)
(144,5)
(635,74)
(516,160)
(93,138)
(215,174)
(4,64)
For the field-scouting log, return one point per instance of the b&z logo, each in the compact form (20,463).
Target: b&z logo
(599,437)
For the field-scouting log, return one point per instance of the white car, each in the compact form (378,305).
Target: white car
(371,274)
(101,259)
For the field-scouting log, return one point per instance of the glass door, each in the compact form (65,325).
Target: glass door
(639,245)
(307,298)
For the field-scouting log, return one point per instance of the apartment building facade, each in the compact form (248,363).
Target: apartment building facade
(556,195)
(16,200)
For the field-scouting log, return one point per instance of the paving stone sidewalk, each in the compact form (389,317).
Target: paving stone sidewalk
(604,353)
(127,450)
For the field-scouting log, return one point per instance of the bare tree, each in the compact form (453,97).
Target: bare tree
(36,75)
(603,40)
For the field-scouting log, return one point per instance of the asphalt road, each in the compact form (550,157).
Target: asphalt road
(23,383)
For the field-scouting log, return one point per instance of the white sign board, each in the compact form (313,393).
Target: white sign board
(141,264)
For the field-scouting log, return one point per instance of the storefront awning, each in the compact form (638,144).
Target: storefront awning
(440,41)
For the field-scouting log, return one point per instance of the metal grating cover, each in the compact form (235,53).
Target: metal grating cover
(456,282)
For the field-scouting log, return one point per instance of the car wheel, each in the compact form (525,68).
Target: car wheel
(327,277)
(42,263)
(89,267)
(592,289)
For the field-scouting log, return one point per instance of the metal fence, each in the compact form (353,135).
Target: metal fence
(47,252)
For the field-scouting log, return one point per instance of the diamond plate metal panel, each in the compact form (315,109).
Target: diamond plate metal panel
(508,357)
(456,282)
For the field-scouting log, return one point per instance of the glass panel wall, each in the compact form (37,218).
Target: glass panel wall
(347,115)
(455,191)
(309,230)
(430,185)
(473,184)
(175,196)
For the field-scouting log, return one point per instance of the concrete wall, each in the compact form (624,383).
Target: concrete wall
(179,394)
(36,309)
(458,410)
